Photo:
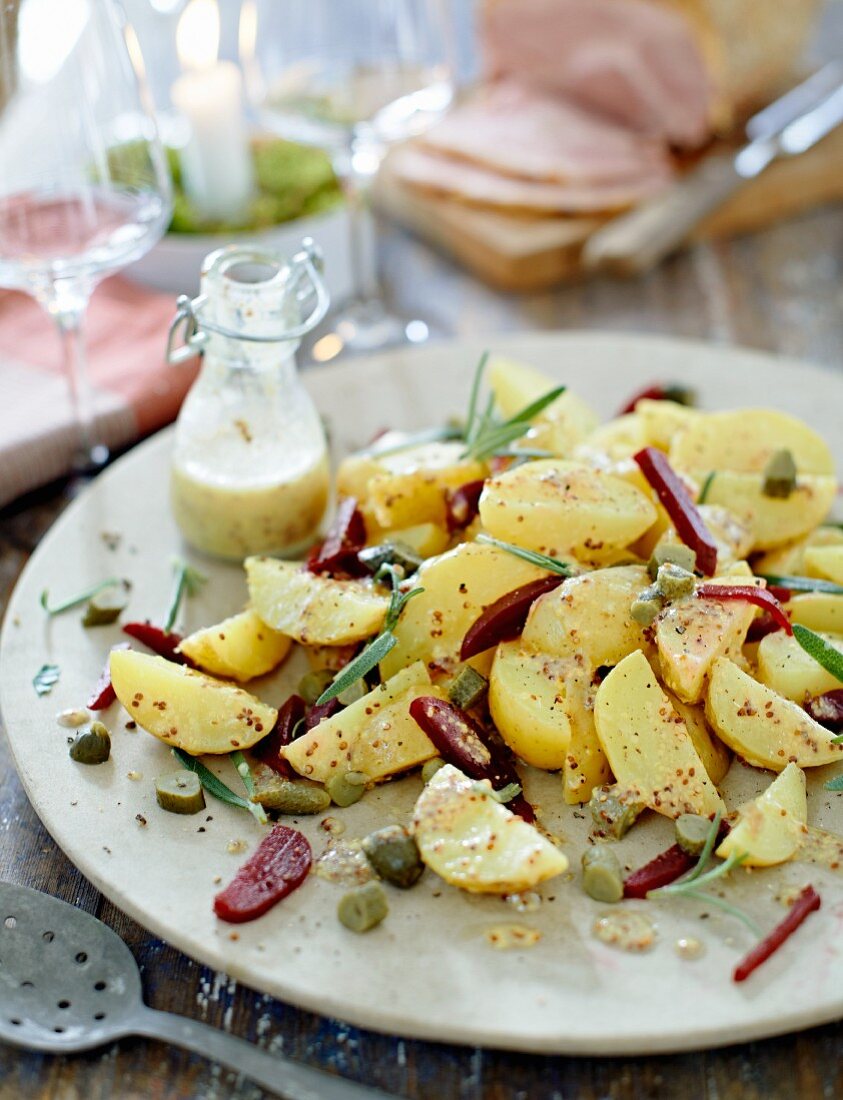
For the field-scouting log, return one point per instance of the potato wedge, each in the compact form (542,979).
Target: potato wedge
(710,749)
(561,426)
(586,766)
(458,586)
(477,844)
(187,709)
(239,648)
(647,742)
(556,507)
(314,610)
(411,485)
(618,439)
(818,611)
(527,702)
(774,521)
(732,535)
(427,539)
(692,633)
(590,615)
(784,666)
(825,562)
(790,558)
(769,830)
(375,735)
(762,726)
(662,420)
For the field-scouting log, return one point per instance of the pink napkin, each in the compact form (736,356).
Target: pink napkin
(135,390)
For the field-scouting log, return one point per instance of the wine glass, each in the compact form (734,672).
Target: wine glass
(84,186)
(352,76)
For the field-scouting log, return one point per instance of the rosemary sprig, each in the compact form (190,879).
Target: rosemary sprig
(836,784)
(211,783)
(817,647)
(377,649)
(706,487)
(45,679)
(245,772)
(80,598)
(553,565)
(188,581)
(415,439)
(803,584)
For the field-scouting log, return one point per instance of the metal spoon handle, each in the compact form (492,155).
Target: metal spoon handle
(279,1075)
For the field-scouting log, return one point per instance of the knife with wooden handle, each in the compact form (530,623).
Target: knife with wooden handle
(635,242)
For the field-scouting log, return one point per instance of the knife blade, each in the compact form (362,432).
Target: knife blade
(637,241)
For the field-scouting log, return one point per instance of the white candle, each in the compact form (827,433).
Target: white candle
(216,162)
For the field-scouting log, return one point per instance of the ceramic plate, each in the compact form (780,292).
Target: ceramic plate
(428,970)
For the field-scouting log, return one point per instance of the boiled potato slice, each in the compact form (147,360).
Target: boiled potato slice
(187,709)
(427,539)
(375,735)
(818,611)
(711,750)
(647,743)
(790,558)
(556,506)
(586,766)
(774,521)
(692,633)
(527,703)
(356,471)
(769,830)
(744,440)
(474,842)
(825,562)
(762,726)
(314,610)
(458,586)
(561,426)
(661,420)
(619,439)
(411,486)
(732,535)
(784,666)
(590,615)
(238,648)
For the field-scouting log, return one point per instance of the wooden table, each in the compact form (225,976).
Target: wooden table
(779,291)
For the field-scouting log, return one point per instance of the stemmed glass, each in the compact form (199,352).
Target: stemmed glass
(84,187)
(351,76)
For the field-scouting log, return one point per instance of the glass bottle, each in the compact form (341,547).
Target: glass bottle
(250,472)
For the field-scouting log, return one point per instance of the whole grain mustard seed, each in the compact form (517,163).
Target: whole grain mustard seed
(235,846)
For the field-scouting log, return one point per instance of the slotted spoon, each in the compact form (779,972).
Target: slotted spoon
(68,983)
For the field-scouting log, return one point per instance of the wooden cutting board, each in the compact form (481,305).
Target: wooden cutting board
(519,253)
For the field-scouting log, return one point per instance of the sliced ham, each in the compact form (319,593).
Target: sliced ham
(477,186)
(638,62)
(528,135)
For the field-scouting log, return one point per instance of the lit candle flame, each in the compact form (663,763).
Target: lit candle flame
(198,34)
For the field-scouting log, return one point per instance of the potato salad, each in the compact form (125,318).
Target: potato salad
(635,606)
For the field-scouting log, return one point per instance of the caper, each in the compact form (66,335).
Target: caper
(674,582)
(288,796)
(363,908)
(468,689)
(648,605)
(680,395)
(692,832)
(613,812)
(351,694)
(673,553)
(312,684)
(390,553)
(602,877)
(431,767)
(342,791)
(180,792)
(779,475)
(91,746)
(394,855)
(105,606)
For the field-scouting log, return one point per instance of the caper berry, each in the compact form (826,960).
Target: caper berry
(779,475)
(613,812)
(343,792)
(692,832)
(602,877)
(288,796)
(673,553)
(363,908)
(674,582)
(394,855)
(180,792)
(91,746)
(468,689)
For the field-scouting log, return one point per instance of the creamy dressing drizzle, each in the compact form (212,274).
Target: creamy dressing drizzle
(505,937)
(344,863)
(625,929)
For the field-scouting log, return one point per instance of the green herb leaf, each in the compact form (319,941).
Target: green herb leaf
(187,583)
(706,487)
(210,782)
(803,584)
(824,654)
(553,565)
(245,772)
(475,393)
(835,784)
(81,598)
(45,678)
(363,663)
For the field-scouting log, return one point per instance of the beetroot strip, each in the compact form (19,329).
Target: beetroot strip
(661,871)
(675,500)
(807,902)
(506,616)
(758,596)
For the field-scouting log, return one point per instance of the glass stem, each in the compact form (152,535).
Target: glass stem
(357,180)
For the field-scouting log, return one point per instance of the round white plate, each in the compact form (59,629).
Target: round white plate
(428,970)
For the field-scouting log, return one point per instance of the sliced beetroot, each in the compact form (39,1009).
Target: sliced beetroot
(659,392)
(689,524)
(807,903)
(320,711)
(103,694)
(279,865)
(751,594)
(346,536)
(268,749)
(462,742)
(762,626)
(463,504)
(162,642)
(664,869)
(505,618)
(827,709)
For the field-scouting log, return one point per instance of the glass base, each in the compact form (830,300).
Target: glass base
(88,461)
(362,327)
